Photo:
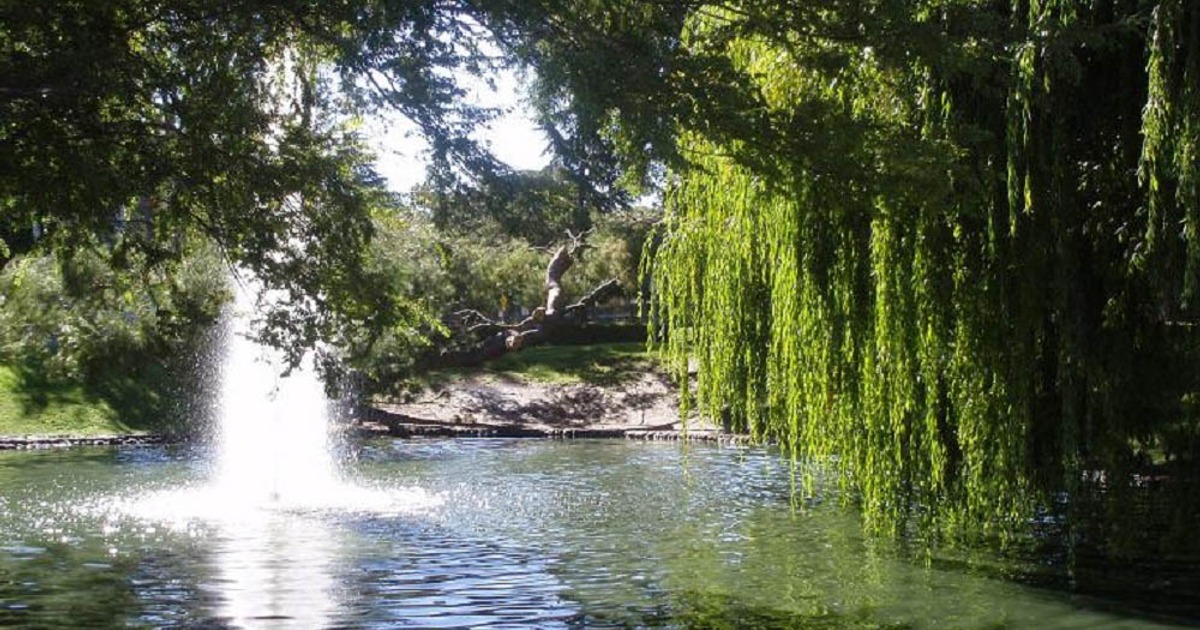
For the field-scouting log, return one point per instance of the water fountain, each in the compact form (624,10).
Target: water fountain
(273,446)
(273,431)
(275,492)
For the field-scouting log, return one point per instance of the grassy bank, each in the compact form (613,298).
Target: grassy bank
(129,400)
(30,408)
(599,364)
(119,402)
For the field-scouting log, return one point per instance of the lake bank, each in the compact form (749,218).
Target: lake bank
(587,391)
(573,392)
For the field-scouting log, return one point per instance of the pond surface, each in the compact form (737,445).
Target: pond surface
(468,533)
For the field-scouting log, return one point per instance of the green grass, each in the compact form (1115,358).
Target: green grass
(600,364)
(123,395)
(42,408)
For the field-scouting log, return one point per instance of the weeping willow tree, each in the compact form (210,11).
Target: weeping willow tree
(952,248)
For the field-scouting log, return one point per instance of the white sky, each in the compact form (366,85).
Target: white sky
(513,137)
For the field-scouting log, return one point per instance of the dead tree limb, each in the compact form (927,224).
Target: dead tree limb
(495,339)
(560,263)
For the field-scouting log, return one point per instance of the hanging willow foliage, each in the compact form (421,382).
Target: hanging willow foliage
(938,268)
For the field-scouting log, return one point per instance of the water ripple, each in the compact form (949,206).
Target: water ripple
(488,533)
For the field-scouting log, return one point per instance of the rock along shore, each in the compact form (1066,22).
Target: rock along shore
(644,406)
(381,423)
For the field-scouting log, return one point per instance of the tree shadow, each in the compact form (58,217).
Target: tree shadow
(142,392)
(37,390)
(573,407)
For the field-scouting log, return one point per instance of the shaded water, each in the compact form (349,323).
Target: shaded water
(507,533)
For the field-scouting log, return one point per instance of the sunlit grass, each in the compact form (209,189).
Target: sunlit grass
(52,409)
(600,364)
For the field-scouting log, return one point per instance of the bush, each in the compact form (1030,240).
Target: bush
(130,335)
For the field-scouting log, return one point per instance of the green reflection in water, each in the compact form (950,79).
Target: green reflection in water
(541,533)
(57,586)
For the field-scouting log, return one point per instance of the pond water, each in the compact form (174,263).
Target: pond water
(467,533)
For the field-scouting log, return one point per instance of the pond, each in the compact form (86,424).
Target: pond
(468,533)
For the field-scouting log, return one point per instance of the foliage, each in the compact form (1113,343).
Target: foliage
(536,206)
(234,122)
(109,348)
(615,250)
(420,269)
(951,244)
(436,273)
(147,124)
(914,238)
(595,63)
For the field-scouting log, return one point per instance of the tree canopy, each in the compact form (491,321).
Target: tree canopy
(951,245)
(141,123)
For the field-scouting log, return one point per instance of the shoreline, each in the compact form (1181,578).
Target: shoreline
(402,431)
(381,423)
(639,406)
(44,442)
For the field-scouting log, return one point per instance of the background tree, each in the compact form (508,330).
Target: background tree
(535,206)
(132,130)
(132,343)
(448,273)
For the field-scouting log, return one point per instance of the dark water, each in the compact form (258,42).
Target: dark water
(497,533)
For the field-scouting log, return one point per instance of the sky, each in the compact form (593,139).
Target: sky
(513,137)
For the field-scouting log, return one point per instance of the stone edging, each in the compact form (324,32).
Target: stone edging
(409,430)
(401,430)
(37,442)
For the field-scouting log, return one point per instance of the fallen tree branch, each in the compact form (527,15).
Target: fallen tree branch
(490,339)
(603,291)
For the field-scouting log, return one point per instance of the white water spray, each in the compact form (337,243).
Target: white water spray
(274,491)
(273,445)
(273,430)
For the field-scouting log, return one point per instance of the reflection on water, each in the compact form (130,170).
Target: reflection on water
(497,533)
(278,571)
